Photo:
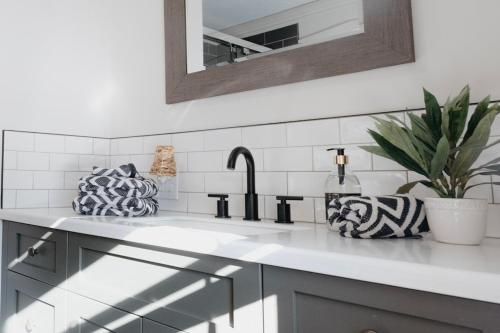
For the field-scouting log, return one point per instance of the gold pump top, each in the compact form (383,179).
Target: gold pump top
(341,159)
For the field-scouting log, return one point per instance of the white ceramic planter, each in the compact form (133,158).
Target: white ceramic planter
(457,221)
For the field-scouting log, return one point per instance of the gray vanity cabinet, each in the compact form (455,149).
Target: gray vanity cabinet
(302,302)
(184,291)
(31,306)
(88,316)
(149,326)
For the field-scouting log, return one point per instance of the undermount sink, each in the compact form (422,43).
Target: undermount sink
(235,226)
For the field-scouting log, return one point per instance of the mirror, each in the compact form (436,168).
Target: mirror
(224,32)
(218,47)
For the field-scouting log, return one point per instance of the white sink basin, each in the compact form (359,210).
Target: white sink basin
(234,226)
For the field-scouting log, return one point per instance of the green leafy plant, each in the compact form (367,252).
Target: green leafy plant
(441,145)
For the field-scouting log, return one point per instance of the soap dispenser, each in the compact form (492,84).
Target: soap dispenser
(340,183)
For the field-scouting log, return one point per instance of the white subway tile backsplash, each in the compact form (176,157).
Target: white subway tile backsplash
(88,162)
(179,205)
(48,180)
(359,160)
(151,142)
(78,145)
(493,228)
(142,162)
(222,139)
(61,198)
(49,143)
(32,199)
(17,179)
(223,182)
(118,160)
(127,146)
(311,133)
(32,161)
(288,159)
(420,191)
(205,161)
(237,205)
(309,184)
(258,157)
(201,203)
(71,179)
(319,210)
(186,142)
(10,160)
(270,183)
(381,163)
(101,146)
(267,136)
(19,141)
(381,183)
(480,192)
(181,162)
(355,129)
(64,162)
(191,182)
(9,199)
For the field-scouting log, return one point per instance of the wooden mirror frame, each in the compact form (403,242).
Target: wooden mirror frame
(387,41)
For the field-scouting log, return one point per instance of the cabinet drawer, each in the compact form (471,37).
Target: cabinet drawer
(32,306)
(89,316)
(303,302)
(188,292)
(37,252)
(150,326)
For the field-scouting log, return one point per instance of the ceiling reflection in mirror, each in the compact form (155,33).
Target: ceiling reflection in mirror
(224,32)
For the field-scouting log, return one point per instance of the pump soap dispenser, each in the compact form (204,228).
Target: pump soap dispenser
(340,183)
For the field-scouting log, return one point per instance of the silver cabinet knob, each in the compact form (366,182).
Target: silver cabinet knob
(28,327)
(368,331)
(32,252)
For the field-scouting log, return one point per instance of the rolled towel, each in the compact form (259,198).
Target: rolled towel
(89,204)
(127,170)
(378,217)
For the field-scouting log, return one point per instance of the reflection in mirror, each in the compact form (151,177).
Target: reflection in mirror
(222,32)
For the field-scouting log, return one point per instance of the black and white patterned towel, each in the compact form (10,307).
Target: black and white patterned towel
(116,192)
(118,186)
(89,204)
(378,217)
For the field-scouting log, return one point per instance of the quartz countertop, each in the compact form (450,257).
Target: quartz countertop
(471,272)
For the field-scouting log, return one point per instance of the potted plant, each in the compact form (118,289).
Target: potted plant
(442,146)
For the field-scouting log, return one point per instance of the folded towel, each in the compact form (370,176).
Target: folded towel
(127,170)
(378,217)
(118,186)
(90,204)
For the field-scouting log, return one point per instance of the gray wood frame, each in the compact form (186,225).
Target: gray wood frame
(387,41)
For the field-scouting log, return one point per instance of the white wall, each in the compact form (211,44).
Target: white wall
(457,42)
(55,66)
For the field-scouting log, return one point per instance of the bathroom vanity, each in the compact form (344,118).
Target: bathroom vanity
(63,273)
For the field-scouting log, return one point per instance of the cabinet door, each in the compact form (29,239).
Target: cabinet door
(32,306)
(150,326)
(303,302)
(189,292)
(89,316)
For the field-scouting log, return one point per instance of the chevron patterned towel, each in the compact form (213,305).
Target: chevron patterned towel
(116,192)
(378,217)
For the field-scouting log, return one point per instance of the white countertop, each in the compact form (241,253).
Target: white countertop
(462,271)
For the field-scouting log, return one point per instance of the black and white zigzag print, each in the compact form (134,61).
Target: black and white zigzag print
(116,192)
(89,204)
(378,217)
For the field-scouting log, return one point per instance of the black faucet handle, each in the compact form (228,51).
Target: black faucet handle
(222,205)
(284,215)
(289,198)
(216,195)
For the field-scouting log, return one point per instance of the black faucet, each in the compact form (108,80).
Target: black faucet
(251,198)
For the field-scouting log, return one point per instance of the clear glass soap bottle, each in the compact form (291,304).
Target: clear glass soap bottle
(341,182)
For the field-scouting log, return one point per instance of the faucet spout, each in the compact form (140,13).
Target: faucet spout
(251,198)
